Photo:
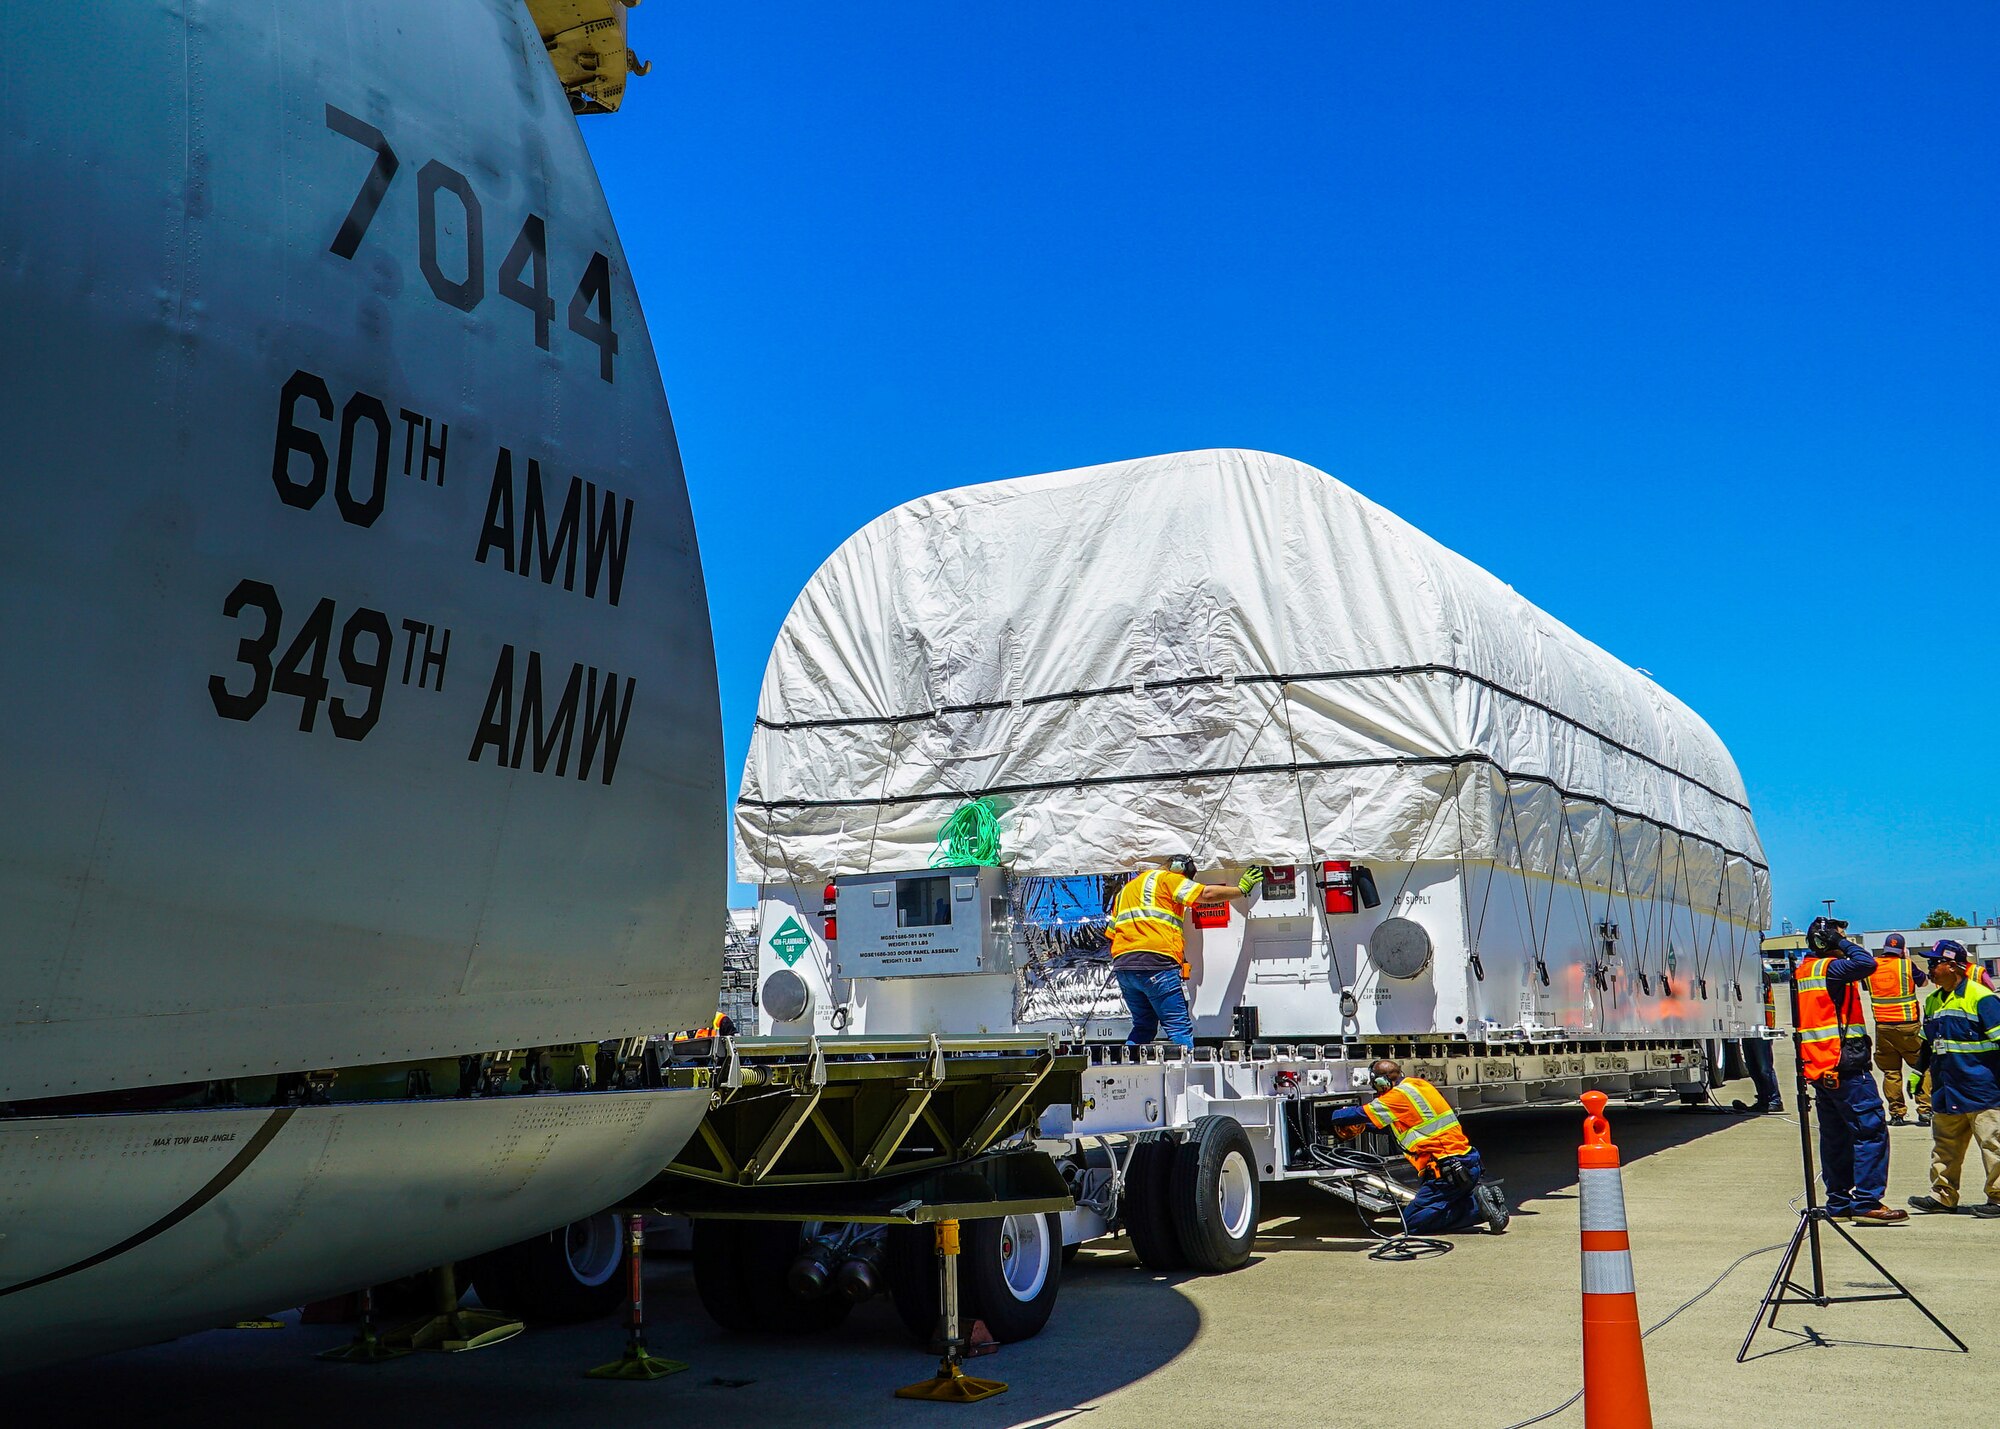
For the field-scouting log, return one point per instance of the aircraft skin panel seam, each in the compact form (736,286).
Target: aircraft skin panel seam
(217,1184)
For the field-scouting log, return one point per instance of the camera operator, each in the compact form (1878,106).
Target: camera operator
(1834,1053)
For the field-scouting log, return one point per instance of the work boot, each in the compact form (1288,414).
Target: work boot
(1880,1216)
(1987,1210)
(1930,1206)
(1773,1107)
(1923,1118)
(1492,1204)
(1899,1120)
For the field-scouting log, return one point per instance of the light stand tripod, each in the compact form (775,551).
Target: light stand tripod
(1785,1288)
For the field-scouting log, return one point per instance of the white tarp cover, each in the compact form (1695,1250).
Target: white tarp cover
(1226,653)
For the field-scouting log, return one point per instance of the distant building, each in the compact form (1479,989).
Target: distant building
(1982,942)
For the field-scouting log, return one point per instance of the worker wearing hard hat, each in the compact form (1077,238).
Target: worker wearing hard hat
(1961,1053)
(1451,1196)
(1149,945)
(1833,1053)
(1892,997)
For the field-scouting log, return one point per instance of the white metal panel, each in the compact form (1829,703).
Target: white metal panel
(339,1197)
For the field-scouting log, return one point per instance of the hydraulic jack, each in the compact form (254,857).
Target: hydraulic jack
(951,1384)
(450,1328)
(637,1362)
(366,1347)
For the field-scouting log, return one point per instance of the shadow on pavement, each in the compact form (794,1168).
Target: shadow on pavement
(1532,1150)
(1113,1324)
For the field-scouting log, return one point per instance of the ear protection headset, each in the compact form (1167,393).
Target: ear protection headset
(1381,1083)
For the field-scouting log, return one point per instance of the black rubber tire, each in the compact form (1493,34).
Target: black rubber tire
(718,1274)
(766,1253)
(1069,1252)
(982,1271)
(909,1264)
(1145,1206)
(1213,1143)
(536,1279)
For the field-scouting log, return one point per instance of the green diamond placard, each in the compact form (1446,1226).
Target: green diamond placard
(790,942)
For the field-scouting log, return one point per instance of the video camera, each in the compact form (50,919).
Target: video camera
(1826,934)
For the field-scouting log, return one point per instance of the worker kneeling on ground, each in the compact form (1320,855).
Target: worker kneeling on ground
(1834,1051)
(1149,946)
(1961,1055)
(1451,1196)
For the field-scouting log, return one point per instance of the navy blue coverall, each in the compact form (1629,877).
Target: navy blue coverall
(1853,1130)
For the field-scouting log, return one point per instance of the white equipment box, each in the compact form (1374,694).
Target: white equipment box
(940,922)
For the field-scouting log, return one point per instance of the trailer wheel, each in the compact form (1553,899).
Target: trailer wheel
(1145,1206)
(718,1274)
(1214,1194)
(562,1277)
(1013,1267)
(765,1254)
(909,1264)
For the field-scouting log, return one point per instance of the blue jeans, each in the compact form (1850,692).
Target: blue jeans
(1763,1075)
(1157,1000)
(1853,1144)
(1438,1208)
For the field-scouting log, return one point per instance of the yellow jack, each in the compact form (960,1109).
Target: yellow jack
(451,1329)
(950,1385)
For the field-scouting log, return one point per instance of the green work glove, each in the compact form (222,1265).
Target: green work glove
(1250,879)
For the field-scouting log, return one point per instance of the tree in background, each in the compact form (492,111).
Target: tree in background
(1944,918)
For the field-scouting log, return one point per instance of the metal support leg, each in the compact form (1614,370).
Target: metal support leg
(636,1362)
(366,1347)
(451,1328)
(951,1384)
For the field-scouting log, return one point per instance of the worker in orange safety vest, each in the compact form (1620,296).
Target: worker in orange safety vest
(1833,1052)
(1451,1192)
(1149,945)
(1899,1029)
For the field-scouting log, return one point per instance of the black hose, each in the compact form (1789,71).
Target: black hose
(1397,1248)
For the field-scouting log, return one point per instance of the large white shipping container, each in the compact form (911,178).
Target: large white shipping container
(1231,654)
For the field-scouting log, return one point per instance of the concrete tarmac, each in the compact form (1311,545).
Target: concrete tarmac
(1312,1332)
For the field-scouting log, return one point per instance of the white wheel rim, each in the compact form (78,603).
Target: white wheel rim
(1235,1189)
(1025,1252)
(593,1247)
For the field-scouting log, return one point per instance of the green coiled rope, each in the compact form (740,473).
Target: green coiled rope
(969,837)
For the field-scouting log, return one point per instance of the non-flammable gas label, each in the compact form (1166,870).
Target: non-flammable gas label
(790,942)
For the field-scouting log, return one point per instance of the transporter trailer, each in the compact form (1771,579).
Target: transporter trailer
(1490,850)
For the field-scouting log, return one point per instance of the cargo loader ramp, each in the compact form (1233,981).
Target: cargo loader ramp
(833,1110)
(830,1168)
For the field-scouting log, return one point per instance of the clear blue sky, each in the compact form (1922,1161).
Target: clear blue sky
(1684,320)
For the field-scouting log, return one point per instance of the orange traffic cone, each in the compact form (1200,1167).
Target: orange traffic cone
(1614,1360)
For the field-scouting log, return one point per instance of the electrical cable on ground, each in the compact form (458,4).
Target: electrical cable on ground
(1661,1324)
(1397,1248)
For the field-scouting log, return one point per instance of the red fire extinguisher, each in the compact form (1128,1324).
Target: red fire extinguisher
(826,911)
(1336,882)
